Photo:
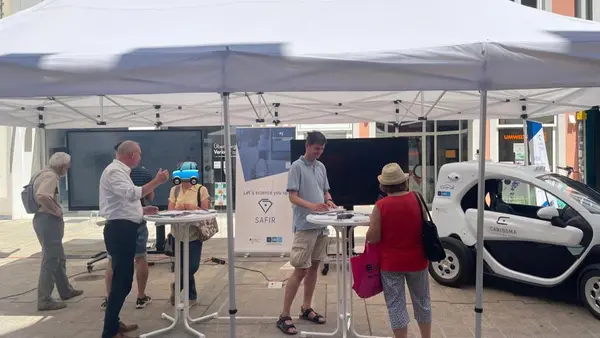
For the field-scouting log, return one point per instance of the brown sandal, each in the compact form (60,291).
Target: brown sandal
(316,318)
(284,327)
(127,328)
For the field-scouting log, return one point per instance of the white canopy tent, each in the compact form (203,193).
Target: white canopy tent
(179,110)
(111,48)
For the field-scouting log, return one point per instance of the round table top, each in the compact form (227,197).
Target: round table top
(359,219)
(181,216)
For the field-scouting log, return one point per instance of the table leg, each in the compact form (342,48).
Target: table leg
(186,284)
(345,315)
(338,296)
(175,319)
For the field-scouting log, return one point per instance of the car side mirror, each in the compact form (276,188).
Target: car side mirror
(548,213)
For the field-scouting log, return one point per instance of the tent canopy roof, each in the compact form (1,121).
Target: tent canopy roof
(114,47)
(364,56)
(119,111)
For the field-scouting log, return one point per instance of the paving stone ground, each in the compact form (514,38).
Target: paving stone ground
(510,310)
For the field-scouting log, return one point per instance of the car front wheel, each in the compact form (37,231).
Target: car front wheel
(176,181)
(589,291)
(455,269)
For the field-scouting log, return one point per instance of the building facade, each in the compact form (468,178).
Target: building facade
(560,131)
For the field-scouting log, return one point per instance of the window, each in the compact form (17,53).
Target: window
(465,147)
(528,3)
(448,125)
(511,148)
(584,195)
(447,149)
(543,120)
(28,146)
(522,193)
(407,127)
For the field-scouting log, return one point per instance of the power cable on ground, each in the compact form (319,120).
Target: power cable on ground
(216,261)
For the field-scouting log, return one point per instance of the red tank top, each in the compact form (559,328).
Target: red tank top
(401,247)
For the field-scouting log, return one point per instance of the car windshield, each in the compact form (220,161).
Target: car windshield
(583,194)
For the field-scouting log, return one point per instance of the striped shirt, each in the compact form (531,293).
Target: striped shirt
(140,176)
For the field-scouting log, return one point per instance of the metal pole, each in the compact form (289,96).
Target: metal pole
(480,209)
(424,158)
(435,153)
(526,142)
(229,198)
(460,145)
(525,137)
(424,148)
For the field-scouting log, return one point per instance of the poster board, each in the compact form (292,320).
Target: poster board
(263,211)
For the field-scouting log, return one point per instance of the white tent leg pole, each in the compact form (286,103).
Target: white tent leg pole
(480,209)
(526,142)
(435,152)
(424,159)
(229,198)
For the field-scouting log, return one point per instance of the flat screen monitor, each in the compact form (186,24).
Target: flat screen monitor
(91,151)
(354,164)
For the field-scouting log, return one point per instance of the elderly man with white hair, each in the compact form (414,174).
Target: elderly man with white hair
(49,227)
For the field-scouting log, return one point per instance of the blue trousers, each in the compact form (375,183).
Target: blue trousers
(195,256)
(120,237)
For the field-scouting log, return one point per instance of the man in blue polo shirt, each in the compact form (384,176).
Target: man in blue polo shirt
(140,176)
(308,189)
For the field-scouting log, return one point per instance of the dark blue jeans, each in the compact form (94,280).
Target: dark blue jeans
(195,256)
(120,237)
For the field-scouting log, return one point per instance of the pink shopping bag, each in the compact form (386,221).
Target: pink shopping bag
(366,273)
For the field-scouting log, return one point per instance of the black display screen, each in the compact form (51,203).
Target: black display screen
(92,151)
(354,164)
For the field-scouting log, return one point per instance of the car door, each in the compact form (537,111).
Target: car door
(516,239)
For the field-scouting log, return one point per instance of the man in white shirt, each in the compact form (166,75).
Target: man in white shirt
(121,207)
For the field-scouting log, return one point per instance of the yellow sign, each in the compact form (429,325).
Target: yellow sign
(581,115)
(450,153)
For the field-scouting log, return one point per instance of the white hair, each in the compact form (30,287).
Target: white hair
(59,160)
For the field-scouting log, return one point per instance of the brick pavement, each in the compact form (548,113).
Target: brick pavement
(508,313)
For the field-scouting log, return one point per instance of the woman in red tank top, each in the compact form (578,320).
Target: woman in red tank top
(395,227)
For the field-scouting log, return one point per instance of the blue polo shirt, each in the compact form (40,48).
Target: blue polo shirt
(309,179)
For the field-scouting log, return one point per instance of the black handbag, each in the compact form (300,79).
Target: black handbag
(434,251)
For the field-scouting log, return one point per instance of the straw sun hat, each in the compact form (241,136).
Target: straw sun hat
(392,174)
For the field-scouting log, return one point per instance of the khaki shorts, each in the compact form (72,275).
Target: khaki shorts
(309,246)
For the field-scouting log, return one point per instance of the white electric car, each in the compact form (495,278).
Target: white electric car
(540,228)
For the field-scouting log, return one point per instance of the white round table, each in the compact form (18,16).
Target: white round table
(344,322)
(181,219)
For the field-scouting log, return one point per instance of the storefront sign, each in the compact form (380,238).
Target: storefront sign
(219,150)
